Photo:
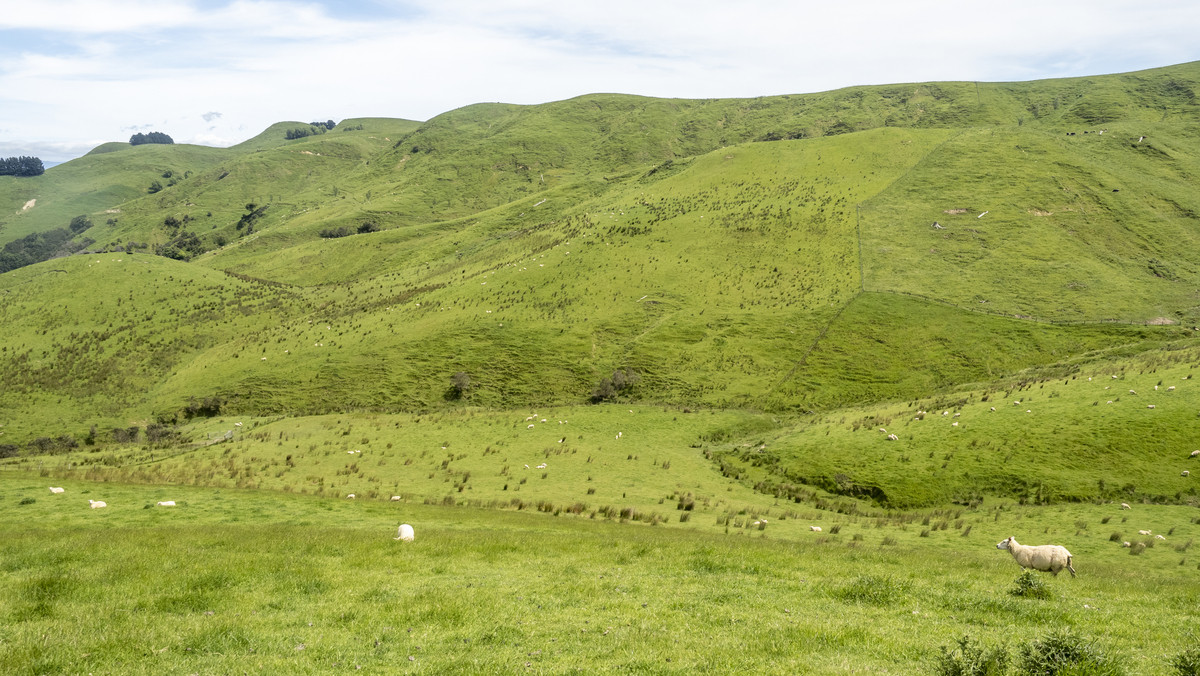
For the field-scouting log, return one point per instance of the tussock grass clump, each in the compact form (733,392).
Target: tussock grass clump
(1028,586)
(971,659)
(1056,654)
(1186,663)
(1064,653)
(873,590)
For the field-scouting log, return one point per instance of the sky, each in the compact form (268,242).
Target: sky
(78,73)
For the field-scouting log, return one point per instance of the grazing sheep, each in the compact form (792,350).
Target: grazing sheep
(1184,473)
(1194,454)
(405,533)
(1126,544)
(97,504)
(1159,537)
(350,497)
(1124,505)
(1143,532)
(395,498)
(815,529)
(166,503)
(56,489)
(892,437)
(1048,558)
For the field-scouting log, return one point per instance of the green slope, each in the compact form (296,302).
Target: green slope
(774,254)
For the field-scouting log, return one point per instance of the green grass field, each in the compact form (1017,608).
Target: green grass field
(250,580)
(615,358)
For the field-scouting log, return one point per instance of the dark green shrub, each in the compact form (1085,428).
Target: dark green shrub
(971,659)
(1064,654)
(1027,585)
(1187,663)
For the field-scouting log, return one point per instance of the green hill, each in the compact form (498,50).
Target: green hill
(794,257)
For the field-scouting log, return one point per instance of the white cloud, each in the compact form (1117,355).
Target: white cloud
(260,62)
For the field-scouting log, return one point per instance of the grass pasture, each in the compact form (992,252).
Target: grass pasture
(829,411)
(261,581)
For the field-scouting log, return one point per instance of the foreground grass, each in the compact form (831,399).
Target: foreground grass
(259,581)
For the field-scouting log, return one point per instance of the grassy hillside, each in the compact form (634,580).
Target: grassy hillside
(95,185)
(663,385)
(774,254)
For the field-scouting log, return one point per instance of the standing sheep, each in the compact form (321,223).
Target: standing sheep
(405,533)
(1049,558)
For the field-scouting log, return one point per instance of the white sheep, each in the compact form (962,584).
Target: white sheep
(166,503)
(815,529)
(97,504)
(1048,558)
(1126,544)
(1159,537)
(56,489)
(1184,473)
(350,497)
(1124,505)
(893,437)
(405,533)
(1143,532)
(1194,454)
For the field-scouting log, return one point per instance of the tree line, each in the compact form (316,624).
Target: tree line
(21,166)
(153,137)
(42,246)
(312,129)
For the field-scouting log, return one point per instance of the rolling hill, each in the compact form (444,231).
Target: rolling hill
(797,259)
